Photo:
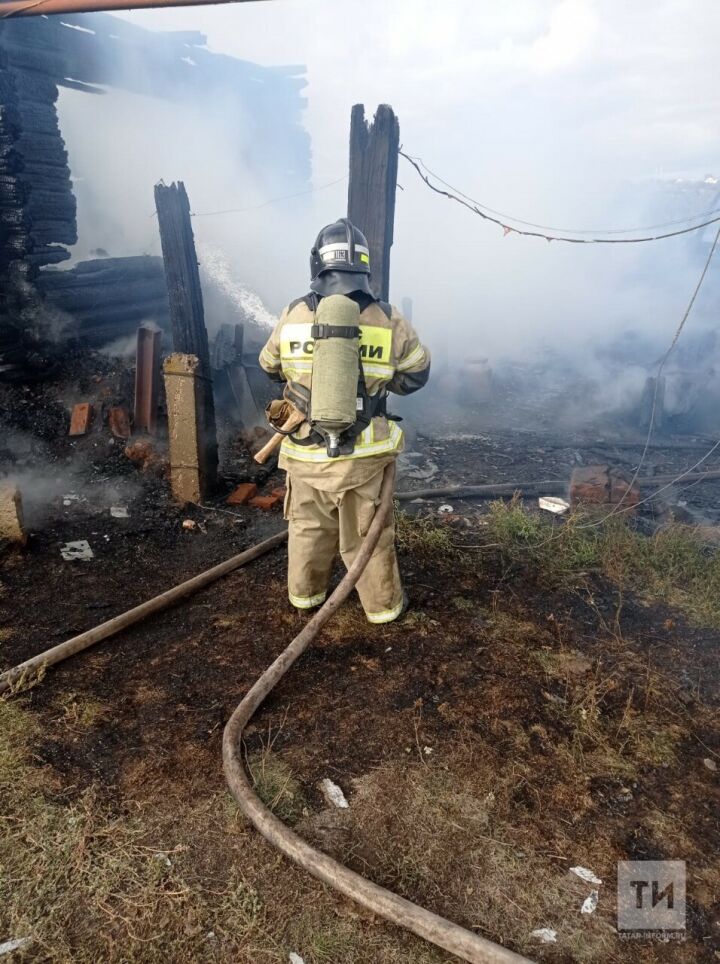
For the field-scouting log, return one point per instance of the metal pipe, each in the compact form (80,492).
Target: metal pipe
(39,8)
(453,938)
(549,487)
(113,626)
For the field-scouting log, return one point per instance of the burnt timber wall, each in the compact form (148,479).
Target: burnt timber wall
(37,204)
(109,298)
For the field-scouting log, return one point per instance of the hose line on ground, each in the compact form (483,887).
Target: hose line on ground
(37,664)
(451,937)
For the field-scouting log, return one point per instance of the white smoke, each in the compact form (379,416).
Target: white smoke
(557,111)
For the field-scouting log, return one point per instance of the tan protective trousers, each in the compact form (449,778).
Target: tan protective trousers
(320,523)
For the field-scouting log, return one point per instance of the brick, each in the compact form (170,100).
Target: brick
(11,516)
(620,490)
(139,452)
(119,422)
(144,456)
(602,485)
(81,418)
(265,502)
(242,494)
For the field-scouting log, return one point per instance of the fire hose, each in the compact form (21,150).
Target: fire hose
(393,908)
(451,937)
(37,664)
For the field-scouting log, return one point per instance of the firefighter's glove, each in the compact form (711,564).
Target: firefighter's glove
(278,412)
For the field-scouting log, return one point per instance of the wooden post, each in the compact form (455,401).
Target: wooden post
(187,315)
(371,191)
(653,395)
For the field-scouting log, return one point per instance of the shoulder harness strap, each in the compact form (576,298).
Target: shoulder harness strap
(310,300)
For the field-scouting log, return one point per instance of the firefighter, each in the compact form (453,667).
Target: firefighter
(333,480)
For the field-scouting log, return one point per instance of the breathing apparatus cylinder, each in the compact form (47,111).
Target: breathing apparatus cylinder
(336,369)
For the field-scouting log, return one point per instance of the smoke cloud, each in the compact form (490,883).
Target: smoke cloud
(571,113)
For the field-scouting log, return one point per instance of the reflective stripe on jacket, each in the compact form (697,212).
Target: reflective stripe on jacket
(391,354)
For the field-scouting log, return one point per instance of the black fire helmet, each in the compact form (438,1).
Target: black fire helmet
(340,247)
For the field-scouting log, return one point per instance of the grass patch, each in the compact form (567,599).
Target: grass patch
(557,554)
(81,713)
(447,836)
(276,786)
(424,538)
(17,731)
(181,880)
(674,565)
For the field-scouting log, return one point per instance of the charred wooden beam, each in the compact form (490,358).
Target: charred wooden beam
(187,314)
(652,403)
(371,191)
(108,298)
(34,171)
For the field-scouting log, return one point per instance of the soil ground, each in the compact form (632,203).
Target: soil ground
(525,717)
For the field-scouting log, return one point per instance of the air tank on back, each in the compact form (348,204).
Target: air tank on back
(336,369)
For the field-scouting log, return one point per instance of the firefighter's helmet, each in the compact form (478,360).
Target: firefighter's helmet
(340,247)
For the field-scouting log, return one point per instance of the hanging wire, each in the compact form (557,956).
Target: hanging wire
(661,366)
(28,6)
(476,208)
(620,508)
(546,227)
(274,200)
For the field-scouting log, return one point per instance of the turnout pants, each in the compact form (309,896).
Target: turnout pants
(320,523)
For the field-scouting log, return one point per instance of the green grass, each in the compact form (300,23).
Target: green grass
(180,879)
(276,786)
(673,566)
(425,539)
(557,554)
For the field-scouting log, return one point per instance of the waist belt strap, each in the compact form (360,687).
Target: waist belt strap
(334,331)
(373,405)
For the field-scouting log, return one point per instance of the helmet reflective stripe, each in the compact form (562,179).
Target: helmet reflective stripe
(328,249)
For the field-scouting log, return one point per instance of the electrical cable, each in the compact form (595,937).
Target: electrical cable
(663,362)
(509,229)
(274,200)
(19,8)
(668,485)
(546,227)
(619,508)
(27,6)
